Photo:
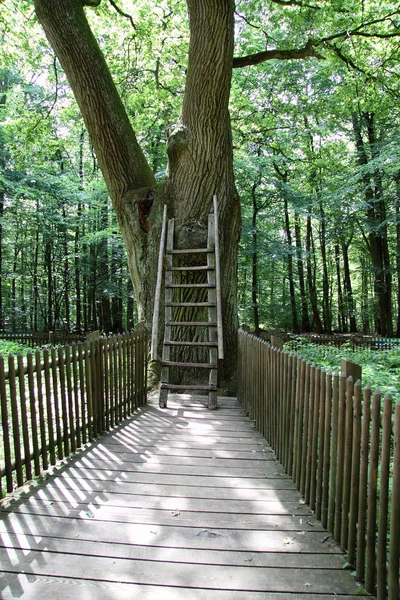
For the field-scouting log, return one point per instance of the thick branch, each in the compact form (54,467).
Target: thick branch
(294,54)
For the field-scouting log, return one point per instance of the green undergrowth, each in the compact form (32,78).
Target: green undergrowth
(7,348)
(380,368)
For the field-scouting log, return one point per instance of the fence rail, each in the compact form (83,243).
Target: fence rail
(37,338)
(341,449)
(354,341)
(58,399)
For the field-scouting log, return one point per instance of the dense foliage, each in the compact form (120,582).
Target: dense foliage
(316,160)
(380,368)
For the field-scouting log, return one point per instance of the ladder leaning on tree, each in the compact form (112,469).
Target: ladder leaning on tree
(194,333)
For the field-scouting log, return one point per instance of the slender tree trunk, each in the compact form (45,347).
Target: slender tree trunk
(104,271)
(397,211)
(254,260)
(326,293)
(295,323)
(365,300)
(305,321)
(77,254)
(310,279)
(348,290)
(342,319)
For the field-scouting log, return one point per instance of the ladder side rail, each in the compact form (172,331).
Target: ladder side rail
(212,316)
(166,353)
(218,282)
(156,312)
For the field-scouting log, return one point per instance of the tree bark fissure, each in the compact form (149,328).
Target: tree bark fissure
(199,147)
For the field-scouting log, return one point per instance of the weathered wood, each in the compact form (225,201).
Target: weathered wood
(212,516)
(168,296)
(355,475)
(341,429)
(348,448)
(350,369)
(362,505)
(15,420)
(47,588)
(370,574)
(394,545)
(49,404)
(191,268)
(183,387)
(5,429)
(218,280)
(24,417)
(156,313)
(385,464)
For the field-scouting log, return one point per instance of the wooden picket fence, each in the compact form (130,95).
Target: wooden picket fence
(341,445)
(353,341)
(37,338)
(56,400)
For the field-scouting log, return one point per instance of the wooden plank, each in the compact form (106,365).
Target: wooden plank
(106,515)
(48,588)
(177,517)
(385,467)
(5,429)
(54,396)
(15,419)
(175,555)
(49,404)
(363,494)
(190,304)
(74,481)
(370,566)
(33,416)
(394,544)
(213,577)
(189,268)
(231,538)
(156,312)
(189,251)
(168,296)
(70,402)
(24,417)
(52,493)
(218,281)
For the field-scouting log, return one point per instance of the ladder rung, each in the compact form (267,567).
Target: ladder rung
(190,251)
(191,323)
(170,363)
(172,386)
(189,304)
(179,286)
(198,268)
(199,344)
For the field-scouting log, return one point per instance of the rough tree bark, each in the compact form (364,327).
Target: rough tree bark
(199,146)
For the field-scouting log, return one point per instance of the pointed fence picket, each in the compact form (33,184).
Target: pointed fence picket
(341,447)
(59,399)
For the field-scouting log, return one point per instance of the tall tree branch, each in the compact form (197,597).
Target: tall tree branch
(293,54)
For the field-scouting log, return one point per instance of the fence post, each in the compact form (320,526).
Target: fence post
(394,544)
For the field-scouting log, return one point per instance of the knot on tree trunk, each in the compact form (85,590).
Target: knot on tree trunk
(178,138)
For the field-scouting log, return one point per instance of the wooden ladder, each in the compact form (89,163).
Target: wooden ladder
(179,334)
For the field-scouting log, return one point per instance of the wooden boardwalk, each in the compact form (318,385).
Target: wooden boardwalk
(174,504)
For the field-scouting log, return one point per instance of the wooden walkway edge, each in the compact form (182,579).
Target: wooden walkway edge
(173,504)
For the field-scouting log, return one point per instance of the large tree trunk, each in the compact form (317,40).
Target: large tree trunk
(377,228)
(199,146)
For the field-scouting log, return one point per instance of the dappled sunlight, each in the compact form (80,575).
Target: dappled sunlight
(149,503)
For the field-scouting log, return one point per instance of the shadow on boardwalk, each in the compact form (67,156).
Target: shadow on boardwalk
(173,504)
